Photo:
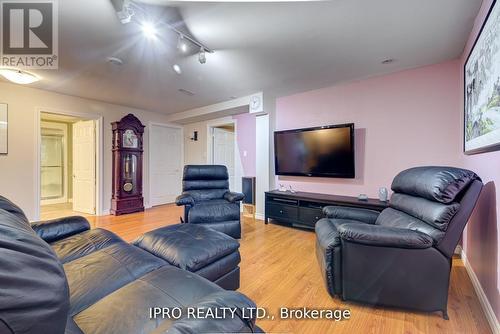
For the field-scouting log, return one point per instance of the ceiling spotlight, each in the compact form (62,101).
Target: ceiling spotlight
(18,76)
(115,61)
(202,57)
(181,44)
(177,69)
(149,30)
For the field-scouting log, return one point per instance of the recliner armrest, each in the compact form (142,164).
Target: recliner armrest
(342,212)
(233,197)
(377,235)
(184,199)
(60,228)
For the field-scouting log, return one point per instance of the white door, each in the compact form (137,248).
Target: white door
(165,164)
(223,152)
(84,171)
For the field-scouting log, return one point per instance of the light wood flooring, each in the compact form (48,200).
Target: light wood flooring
(279,269)
(51,211)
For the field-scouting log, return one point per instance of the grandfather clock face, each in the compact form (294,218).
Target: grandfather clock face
(129,139)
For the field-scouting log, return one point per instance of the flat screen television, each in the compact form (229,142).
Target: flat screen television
(326,151)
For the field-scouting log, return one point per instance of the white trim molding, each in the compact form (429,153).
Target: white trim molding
(238,106)
(483,300)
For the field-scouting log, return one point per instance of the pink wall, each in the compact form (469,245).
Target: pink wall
(246,142)
(482,233)
(404,119)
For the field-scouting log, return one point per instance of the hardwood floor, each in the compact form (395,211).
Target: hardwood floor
(52,211)
(279,269)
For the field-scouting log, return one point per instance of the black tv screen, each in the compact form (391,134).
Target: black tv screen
(326,151)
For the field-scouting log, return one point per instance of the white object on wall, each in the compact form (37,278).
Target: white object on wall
(256,103)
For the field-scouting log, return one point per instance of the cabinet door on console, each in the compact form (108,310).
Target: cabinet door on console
(285,212)
(309,216)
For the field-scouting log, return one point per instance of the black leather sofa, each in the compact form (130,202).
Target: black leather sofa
(402,256)
(208,201)
(60,276)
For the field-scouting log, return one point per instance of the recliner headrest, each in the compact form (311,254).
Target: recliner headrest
(205,172)
(441,184)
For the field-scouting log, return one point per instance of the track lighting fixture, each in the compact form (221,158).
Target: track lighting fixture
(132,11)
(181,44)
(124,10)
(202,57)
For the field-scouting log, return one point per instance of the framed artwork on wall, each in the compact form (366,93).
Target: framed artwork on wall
(3,128)
(482,88)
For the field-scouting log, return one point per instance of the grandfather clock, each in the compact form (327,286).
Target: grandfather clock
(127,166)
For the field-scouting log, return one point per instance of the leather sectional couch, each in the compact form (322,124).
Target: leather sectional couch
(60,276)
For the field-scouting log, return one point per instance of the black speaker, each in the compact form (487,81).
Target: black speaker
(248,188)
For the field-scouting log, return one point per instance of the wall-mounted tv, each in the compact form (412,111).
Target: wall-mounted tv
(326,151)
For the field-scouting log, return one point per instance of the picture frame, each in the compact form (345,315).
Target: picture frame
(481,132)
(4,128)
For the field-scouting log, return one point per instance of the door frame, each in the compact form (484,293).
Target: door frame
(238,168)
(64,128)
(99,120)
(214,124)
(149,153)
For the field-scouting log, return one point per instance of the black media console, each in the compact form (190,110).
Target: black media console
(302,209)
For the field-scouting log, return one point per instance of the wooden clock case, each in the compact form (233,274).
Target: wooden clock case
(127,194)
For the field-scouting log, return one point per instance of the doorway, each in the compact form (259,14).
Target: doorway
(68,166)
(166,157)
(223,151)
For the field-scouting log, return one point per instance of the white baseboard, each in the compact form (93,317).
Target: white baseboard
(483,300)
(259,216)
(105,212)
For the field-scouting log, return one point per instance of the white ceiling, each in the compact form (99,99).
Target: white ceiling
(278,48)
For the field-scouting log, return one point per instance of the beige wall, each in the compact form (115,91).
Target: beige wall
(18,172)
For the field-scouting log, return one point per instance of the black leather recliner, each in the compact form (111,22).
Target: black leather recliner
(207,200)
(402,256)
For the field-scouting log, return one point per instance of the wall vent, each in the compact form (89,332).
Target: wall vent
(187,92)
